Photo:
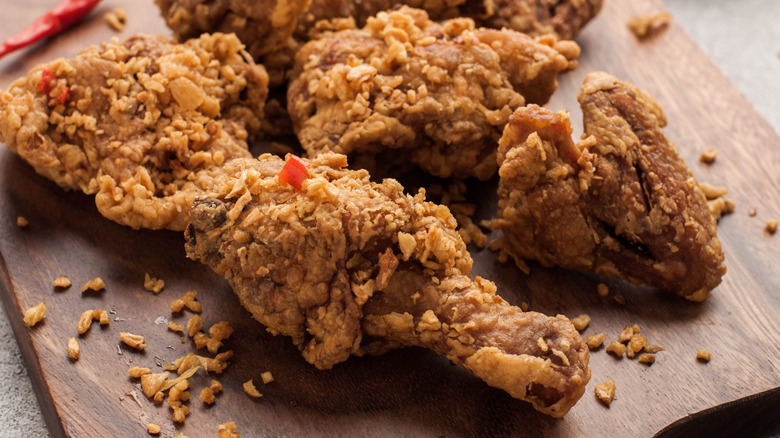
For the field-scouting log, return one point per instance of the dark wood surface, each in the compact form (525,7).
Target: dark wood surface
(408,392)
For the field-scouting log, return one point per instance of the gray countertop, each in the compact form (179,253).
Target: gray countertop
(742,38)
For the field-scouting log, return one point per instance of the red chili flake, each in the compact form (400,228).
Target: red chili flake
(64,95)
(295,170)
(46,78)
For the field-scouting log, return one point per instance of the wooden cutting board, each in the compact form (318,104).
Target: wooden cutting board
(409,392)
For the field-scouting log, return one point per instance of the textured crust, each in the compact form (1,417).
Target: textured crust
(441,93)
(346,266)
(620,203)
(143,125)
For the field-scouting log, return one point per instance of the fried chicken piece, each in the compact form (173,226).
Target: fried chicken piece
(143,124)
(406,89)
(620,203)
(346,266)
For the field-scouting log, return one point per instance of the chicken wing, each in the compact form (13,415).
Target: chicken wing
(620,203)
(142,124)
(406,89)
(346,266)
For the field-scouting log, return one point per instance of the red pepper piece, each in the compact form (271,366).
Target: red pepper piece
(64,95)
(295,170)
(64,15)
(46,78)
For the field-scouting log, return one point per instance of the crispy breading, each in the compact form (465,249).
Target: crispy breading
(312,264)
(620,203)
(142,124)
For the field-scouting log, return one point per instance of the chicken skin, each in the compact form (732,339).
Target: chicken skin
(345,266)
(620,203)
(405,89)
(142,124)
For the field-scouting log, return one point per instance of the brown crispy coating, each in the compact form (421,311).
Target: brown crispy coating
(346,266)
(143,124)
(406,89)
(621,203)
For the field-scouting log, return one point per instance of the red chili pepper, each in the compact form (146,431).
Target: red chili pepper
(64,15)
(46,77)
(295,170)
(64,95)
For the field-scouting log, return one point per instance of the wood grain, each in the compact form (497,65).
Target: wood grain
(408,392)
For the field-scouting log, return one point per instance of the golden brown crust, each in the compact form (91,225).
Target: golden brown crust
(441,93)
(621,203)
(143,123)
(346,266)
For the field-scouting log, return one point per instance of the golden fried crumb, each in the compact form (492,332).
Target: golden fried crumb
(720,206)
(134,341)
(703,355)
(207,395)
(180,413)
(636,329)
(708,156)
(626,334)
(635,345)
(652,349)
(153,284)
(216,387)
(524,306)
(73,349)
(175,327)
(34,314)
(595,341)
(151,384)
(85,321)
(116,19)
(62,282)
(616,348)
(228,430)
(606,392)
(194,325)
(188,301)
(752,211)
(267,377)
(581,322)
(644,26)
(647,358)
(712,191)
(249,388)
(96,284)
(138,372)
(602,289)
(218,333)
(22,221)
(153,429)
(771,226)
(619,299)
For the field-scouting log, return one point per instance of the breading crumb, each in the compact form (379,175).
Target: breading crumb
(96,284)
(267,377)
(134,341)
(635,345)
(22,221)
(228,430)
(116,19)
(188,301)
(175,327)
(771,226)
(616,348)
(752,211)
(581,322)
(720,206)
(207,396)
(712,191)
(595,341)
(153,429)
(73,349)
(647,358)
(34,314)
(606,392)
(602,289)
(626,334)
(194,325)
(251,390)
(708,156)
(652,349)
(62,282)
(153,284)
(216,387)
(703,355)
(619,299)
(138,372)
(645,26)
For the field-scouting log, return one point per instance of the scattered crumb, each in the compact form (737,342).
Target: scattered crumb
(616,348)
(138,372)
(216,387)
(606,392)
(207,396)
(116,19)
(96,284)
(602,289)
(22,221)
(626,334)
(35,314)
(153,429)
(85,321)
(134,341)
(596,341)
(194,325)
(581,322)
(619,299)
(188,301)
(771,226)
(708,156)
(647,358)
(720,206)
(175,327)
(524,306)
(635,345)
(645,26)
(249,388)
(62,282)
(752,211)
(703,355)
(153,284)
(228,430)
(712,191)
(636,329)
(73,349)
(652,349)
(267,377)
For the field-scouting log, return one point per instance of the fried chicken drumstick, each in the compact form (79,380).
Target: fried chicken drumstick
(345,266)
(406,89)
(620,203)
(143,124)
